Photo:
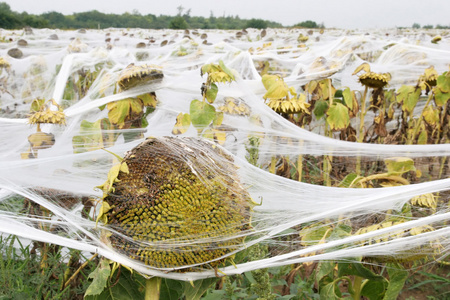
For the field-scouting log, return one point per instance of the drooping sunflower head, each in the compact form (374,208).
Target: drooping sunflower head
(372,79)
(133,76)
(290,106)
(428,79)
(178,202)
(41,113)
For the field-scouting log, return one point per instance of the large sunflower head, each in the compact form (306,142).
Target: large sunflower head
(133,76)
(177,202)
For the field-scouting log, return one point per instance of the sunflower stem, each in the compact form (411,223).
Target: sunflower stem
(357,283)
(419,122)
(152,288)
(361,128)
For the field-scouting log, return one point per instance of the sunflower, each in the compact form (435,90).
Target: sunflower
(372,79)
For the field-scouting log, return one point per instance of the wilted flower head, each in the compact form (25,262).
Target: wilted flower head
(133,76)
(372,79)
(40,113)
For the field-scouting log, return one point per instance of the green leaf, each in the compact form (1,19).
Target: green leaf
(443,82)
(129,287)
(211,93)
(338,117)
(399,165)
(218,119)
(347,181)
(100,278)
(423,138)
(324,268)
(408,96)
(199,287)
(202,114)
(320,108)
(374,290)
(314,234)
(330,292)
(397,276)
(171,289)
(440,97)
(345,269)
(91,137)
(340,231)
(348,98)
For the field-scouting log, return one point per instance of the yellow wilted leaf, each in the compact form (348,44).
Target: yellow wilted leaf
(102,213)
(399,165)
(41,140)
(421,229)
(269,80)
(431,115)
(118,111)
(182,124)
(148,99)
(276,87)
(363,67)
(113,173)
(220,136)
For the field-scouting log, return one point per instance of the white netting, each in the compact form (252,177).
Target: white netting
(81,71)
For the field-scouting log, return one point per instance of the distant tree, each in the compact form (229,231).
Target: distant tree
(427,27)
(178,23)
(416,26)
(180,10)
(438,26)
(8,18)
(93,19)
(55,19)
(256,23)
(33,21)
(308,24)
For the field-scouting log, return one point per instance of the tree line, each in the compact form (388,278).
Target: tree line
(94,19)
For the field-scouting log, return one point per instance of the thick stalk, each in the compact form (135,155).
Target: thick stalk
(273,163)
(300,167)
(300,162)
(326,167)
(357,288)
(152,288)
(362,114)
(419,122)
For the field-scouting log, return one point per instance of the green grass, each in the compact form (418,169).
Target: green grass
(24,276)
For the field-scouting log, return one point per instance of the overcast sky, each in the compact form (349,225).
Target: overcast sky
(342,14)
